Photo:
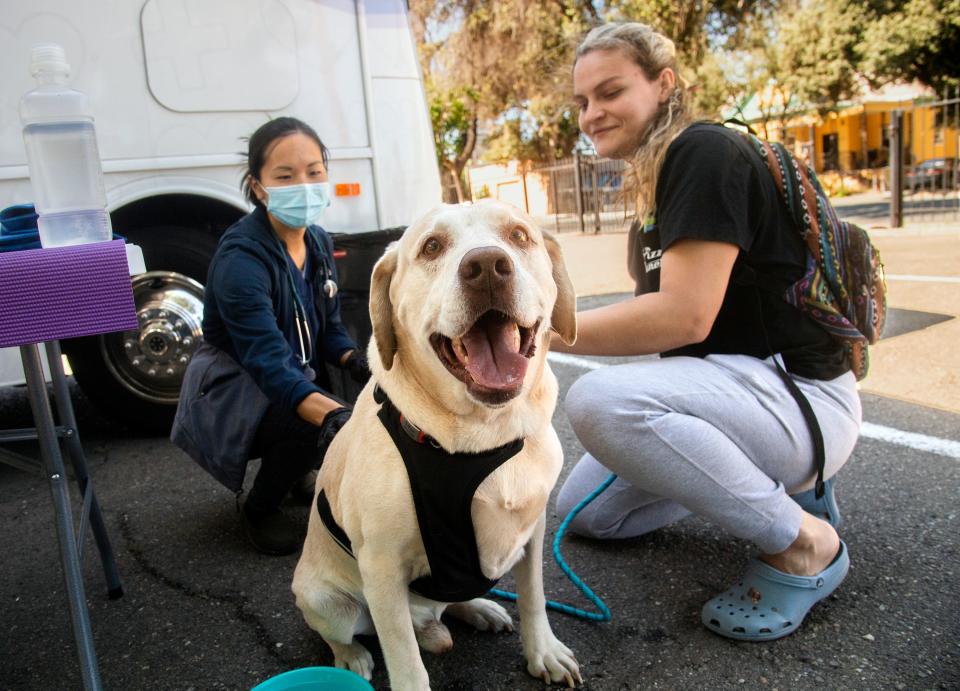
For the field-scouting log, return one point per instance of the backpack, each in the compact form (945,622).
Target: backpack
(843,287)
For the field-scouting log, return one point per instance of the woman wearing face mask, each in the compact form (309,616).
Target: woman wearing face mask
(257,387)
(708,428)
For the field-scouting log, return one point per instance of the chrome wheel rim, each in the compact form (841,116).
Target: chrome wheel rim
(150,361)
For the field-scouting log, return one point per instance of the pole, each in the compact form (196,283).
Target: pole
(594,179)
(556,205)
(895,131)
(813,147)
(523,181)
(578,188)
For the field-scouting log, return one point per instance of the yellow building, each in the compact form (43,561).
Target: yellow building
(854,140)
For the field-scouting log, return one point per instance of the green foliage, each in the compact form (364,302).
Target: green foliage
(816,53)
(696,26)
(485,58)
(544,131)
(452,116)
(498,71)
(505,62)
(916,39)
(711,90)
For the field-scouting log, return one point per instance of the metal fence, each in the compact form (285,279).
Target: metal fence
(584,194)
(924,177)
(916,168)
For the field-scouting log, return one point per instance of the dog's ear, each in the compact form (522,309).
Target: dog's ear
(381,309)
(564,317)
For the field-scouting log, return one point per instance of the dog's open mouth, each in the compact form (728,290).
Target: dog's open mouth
(492,356)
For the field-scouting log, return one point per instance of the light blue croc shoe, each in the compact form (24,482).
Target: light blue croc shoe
(825,507)
(769,604)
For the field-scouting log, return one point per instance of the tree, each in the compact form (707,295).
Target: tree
(796,59)
(814,55)
(753,74)
(493,62)
(817,52)
(454,119)
(507,63)
(696,26)
(912,40)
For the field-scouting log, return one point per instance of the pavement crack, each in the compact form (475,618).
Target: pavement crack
(238,601)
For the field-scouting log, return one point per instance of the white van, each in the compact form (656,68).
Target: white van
(175,87)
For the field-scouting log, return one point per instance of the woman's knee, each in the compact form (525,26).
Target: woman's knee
(574,490)
(584,398)
(592,520)
(611,427)
(588,522)
(567,499)
(597,404)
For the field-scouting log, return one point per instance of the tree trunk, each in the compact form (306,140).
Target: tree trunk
(457,165)
(455,170)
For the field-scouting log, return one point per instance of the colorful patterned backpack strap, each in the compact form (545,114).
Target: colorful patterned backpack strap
(843,287)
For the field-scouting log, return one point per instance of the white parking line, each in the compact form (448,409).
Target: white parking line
(922,279)
(921,442)
(913,440)
(574,361)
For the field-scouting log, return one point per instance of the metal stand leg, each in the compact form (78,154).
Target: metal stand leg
(67,419)
(53,462)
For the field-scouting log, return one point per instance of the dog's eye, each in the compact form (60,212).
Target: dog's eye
(519,236)
(431,247)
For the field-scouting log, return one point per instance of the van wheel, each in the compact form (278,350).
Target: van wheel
(134,376)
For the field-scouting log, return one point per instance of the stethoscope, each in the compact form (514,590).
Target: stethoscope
(300,317)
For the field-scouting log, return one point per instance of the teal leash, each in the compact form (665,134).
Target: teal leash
(604,612)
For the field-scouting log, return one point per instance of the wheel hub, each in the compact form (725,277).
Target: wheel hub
(150,361)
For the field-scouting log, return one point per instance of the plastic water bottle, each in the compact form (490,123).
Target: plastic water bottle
(62,155)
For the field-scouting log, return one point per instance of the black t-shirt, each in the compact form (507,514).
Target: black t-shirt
(714,187)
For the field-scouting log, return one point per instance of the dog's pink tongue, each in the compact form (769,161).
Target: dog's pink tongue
(492,354)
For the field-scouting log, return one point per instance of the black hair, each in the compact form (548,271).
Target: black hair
(260,143)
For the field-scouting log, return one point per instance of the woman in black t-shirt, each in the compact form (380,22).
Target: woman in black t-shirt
(709,427)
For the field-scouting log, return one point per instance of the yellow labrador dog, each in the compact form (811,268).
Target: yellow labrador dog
(438,484)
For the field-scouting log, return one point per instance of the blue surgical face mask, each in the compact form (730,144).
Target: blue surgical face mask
(297,206)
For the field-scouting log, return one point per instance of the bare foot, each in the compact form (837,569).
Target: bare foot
(815,547)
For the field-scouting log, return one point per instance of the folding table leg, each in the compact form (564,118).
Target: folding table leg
(53,462)
(67,419)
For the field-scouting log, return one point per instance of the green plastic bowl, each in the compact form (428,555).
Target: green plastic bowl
(315,679)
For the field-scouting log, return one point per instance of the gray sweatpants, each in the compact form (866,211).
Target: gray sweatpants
(720,437)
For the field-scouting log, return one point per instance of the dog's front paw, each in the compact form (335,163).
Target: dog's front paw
(552,661)
(353,657)
(483,615)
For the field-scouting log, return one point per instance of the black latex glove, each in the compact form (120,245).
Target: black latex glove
(332,423)
(358,367)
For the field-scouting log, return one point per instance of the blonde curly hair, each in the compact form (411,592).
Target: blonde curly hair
(652,52)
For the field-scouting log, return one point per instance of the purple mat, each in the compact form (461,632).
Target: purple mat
(63,292)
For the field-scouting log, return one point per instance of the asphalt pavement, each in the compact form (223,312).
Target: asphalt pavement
(872,209)
(202,611)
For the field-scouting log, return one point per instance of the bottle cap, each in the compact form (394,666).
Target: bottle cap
(49,57)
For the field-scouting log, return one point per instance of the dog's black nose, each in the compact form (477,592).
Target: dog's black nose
(486,268)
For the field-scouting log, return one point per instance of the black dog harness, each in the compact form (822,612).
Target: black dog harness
(443,485)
